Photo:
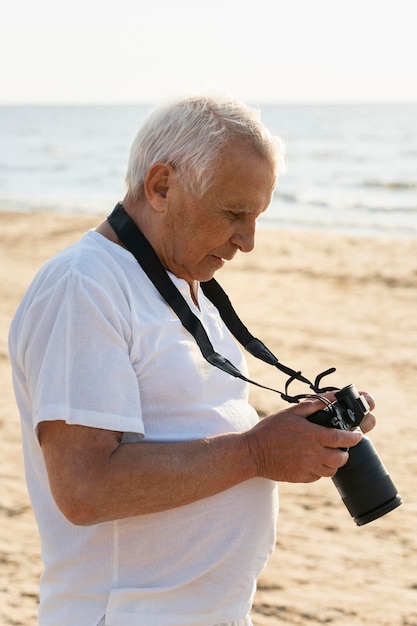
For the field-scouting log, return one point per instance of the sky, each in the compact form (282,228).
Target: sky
(261,51)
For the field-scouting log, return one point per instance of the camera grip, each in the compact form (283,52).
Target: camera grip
(321,417)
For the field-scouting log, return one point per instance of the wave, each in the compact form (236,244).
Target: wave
(344,202)
(99,205)
(333,223)
(395,185)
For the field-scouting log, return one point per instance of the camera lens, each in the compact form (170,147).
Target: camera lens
(365,485)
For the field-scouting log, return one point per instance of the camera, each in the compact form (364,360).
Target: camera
(363,482)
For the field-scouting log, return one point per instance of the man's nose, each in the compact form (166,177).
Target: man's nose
(244,237)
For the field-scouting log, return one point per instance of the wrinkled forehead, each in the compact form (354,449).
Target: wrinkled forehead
(244,181)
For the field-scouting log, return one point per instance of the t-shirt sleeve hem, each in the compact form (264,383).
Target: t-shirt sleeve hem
(92,419)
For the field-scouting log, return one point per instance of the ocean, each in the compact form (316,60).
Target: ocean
(350,168)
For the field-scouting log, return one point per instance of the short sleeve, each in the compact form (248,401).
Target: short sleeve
(77,337)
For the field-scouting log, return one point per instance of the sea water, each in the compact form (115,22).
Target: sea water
(350,168)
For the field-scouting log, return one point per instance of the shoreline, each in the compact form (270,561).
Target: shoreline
(283,223)
(317,300)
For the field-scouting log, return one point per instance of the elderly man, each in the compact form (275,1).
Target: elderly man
(152,480)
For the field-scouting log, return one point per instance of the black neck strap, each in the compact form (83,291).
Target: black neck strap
(138,245)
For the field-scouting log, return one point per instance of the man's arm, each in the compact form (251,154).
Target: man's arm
(95,478)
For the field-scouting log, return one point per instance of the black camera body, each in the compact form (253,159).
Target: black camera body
(363,483)
(345,413)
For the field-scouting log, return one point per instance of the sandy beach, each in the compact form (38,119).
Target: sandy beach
(318,300)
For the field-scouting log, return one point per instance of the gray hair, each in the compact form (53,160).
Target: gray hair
(189,134)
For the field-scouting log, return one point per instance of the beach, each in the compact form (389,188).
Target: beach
(318,300)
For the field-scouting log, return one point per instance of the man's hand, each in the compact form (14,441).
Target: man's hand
(287,447)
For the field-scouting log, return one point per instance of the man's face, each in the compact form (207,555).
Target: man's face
(199,234)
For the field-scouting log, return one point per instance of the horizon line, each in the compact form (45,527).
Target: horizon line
(261,102)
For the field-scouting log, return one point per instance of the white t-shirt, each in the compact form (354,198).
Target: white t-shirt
(93,343)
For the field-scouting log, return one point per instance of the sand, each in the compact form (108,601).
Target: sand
(318,300)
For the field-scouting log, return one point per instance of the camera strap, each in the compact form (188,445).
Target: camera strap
(139,246)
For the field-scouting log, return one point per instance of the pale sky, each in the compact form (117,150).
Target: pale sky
(132,51)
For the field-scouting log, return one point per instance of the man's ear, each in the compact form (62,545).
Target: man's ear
(157,183)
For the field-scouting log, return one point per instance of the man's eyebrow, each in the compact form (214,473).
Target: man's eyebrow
(240,207)
(237,207)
